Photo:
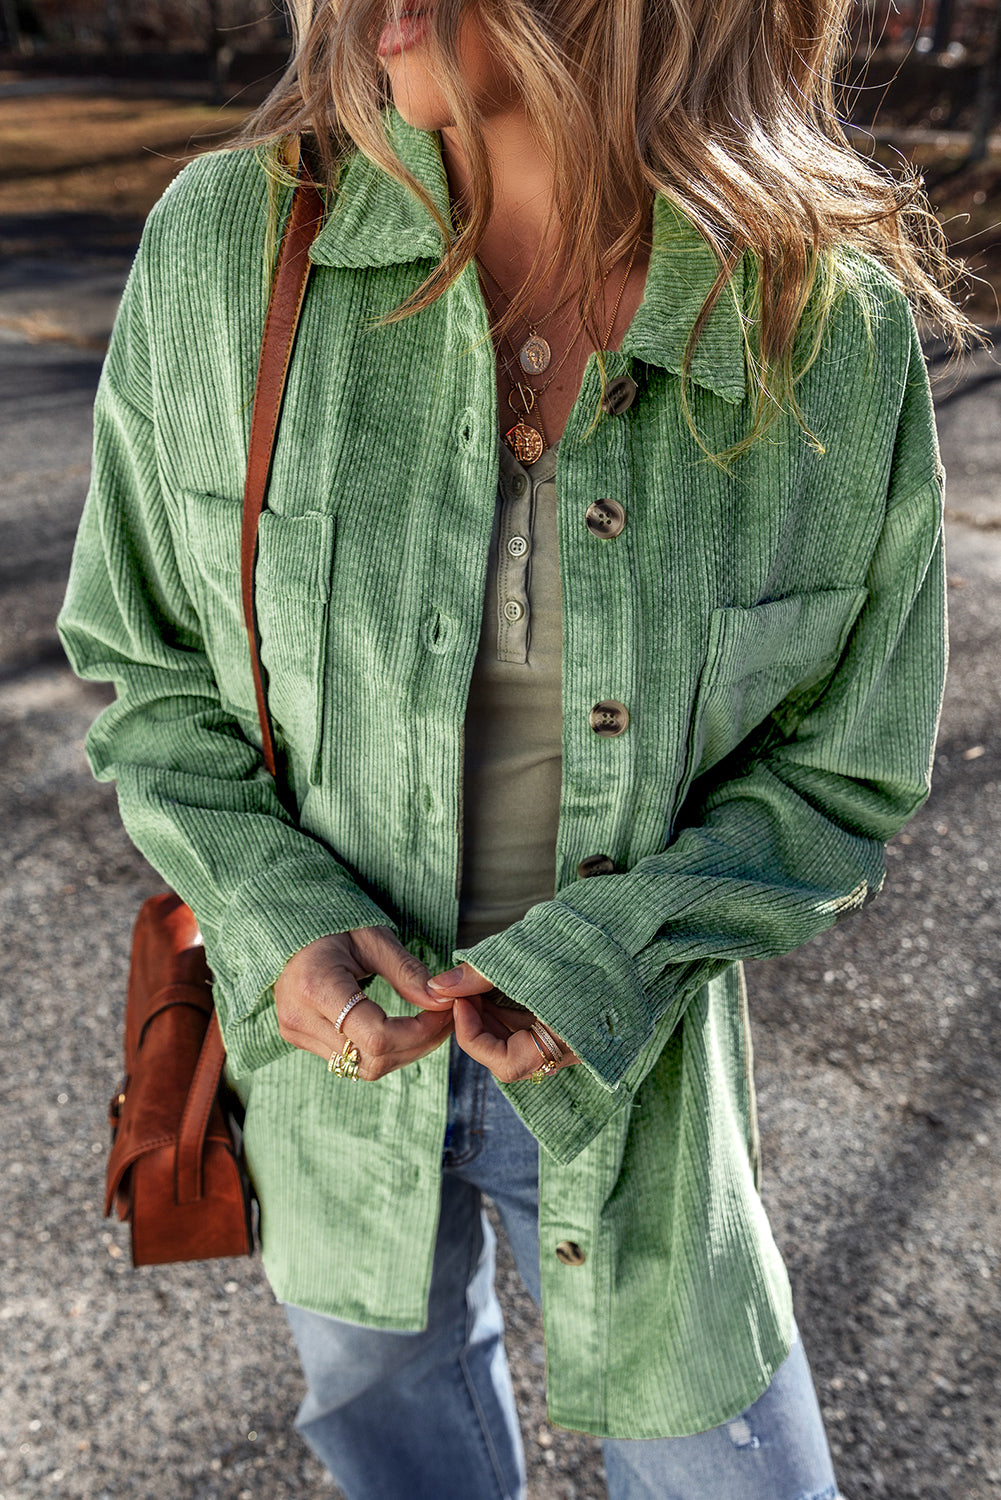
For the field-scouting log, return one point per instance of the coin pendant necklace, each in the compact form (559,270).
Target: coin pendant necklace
(526,442)
(535,354)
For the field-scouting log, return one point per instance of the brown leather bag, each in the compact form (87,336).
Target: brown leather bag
(174,1171)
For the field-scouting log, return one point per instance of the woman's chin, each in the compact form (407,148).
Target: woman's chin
(424,110)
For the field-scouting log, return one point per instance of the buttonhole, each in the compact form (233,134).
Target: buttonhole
(435,632)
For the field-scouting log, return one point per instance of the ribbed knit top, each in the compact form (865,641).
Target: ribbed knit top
(513,739)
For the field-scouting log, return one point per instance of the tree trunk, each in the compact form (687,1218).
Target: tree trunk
(942,34)
(112,26)
(986,107)
(11,25)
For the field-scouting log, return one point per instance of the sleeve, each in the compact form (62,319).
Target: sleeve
(784,837)
(193,791)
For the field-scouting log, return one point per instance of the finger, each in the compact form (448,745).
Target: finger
(395,1041)
(319,1033)
(383,953)
(309,1007)
(510,1059)
(464,980)
(498,1019)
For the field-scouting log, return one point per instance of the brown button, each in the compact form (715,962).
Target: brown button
(619,396)
(605,518)
(570,1254)
(595,864)
(609,718)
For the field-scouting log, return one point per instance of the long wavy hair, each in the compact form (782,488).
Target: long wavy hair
(726,106)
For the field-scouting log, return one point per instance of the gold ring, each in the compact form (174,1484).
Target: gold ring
(540,1073)
(349,1006)
(344,1064)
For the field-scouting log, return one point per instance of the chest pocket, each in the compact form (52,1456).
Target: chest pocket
(759,658)
(292,591)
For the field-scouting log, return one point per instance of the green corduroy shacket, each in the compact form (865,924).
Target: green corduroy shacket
(775,633)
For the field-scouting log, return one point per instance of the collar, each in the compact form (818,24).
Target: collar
(377,222)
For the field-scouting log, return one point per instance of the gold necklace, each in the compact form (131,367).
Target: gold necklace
(521,439)
(535,354)
(526,442)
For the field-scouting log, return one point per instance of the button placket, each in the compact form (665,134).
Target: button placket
(514,552)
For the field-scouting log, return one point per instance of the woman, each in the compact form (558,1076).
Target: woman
(600,596)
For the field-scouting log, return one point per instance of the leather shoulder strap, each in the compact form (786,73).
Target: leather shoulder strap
(287,293)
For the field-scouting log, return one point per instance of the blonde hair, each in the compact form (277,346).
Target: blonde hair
(725,106)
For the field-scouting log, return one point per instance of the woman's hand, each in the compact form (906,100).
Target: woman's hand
(318,981)
(495,1035)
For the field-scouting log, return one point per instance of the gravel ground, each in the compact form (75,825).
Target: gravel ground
(878,1070)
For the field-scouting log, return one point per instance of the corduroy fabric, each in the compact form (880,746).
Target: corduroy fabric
(776,634)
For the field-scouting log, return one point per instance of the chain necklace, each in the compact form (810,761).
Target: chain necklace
(522,438)
(535,354)
(526,442)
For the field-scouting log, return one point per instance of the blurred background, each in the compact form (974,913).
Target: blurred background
(878,1052)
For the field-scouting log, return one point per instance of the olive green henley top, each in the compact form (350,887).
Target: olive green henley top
(751,673)
(513,747)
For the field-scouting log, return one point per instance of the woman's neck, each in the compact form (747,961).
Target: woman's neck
(524,191)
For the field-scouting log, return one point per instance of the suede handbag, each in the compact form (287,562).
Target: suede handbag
(175,1172)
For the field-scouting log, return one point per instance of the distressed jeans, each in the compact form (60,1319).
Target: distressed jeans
(431,1416)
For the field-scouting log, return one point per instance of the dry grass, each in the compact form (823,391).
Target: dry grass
(93,153)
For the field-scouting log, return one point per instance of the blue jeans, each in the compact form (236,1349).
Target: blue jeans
(432,1416)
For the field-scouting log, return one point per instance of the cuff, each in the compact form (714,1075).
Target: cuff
(577,979)
(271,916)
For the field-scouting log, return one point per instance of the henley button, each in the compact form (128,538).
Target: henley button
(609,718)
(619,396)
(513,611)
(595,864)
(570,1254)
(517,546)
(605,518)
(519,484)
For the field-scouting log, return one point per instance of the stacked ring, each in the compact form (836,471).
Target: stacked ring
(344,1064)
(349,1006)
(549,1050)
(546,1042)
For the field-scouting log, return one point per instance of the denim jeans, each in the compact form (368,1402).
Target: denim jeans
(431,1416)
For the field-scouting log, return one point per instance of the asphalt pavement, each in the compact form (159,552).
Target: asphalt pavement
(878,1059)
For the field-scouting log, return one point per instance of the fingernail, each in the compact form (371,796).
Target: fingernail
(442,981)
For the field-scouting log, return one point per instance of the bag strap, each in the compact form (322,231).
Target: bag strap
(287,293)
(195,1119)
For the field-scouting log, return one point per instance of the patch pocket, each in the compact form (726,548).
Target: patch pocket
(759,657)
(292,594)
(294,562)
(211,564)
